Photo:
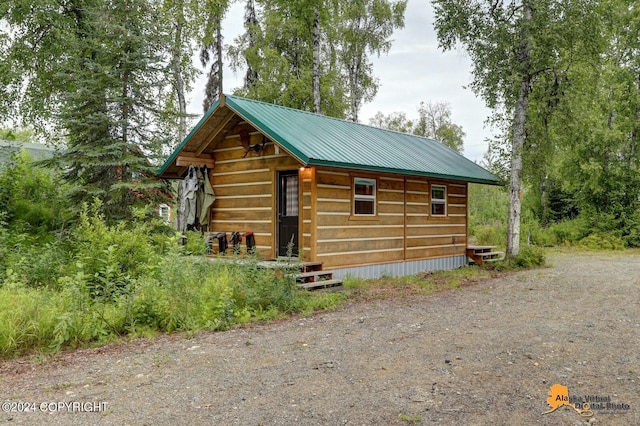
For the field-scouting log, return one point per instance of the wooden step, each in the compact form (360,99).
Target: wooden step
(325,284)
(311,266)
(489,253)
(481,254)
(480,249)
(312,276)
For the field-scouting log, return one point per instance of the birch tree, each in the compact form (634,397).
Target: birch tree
(315,55)
(511,45)
(433,121)
(365,28)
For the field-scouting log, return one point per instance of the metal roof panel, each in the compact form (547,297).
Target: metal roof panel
(319,140)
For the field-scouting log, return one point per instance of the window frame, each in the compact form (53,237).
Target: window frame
(438,201)
(365,197)
(166,207)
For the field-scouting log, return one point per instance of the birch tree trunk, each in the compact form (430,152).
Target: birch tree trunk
(515,183)
(178,81)
(219,55)
(316,60)
(519,134)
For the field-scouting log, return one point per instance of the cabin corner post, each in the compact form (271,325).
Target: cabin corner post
(404,217)
(306,222)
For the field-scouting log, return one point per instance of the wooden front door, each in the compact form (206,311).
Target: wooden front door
(287,228)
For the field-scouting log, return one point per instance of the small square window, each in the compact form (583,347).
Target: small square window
(364,197)
(438,200)
(164,211)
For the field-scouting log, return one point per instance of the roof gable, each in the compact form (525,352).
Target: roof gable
(325,141)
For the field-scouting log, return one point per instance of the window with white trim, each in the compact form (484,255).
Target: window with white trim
(438,200)
(364,197)
(164,211)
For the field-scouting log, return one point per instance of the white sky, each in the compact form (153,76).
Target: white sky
(415,70)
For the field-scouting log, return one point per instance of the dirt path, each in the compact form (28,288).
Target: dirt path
(486,354)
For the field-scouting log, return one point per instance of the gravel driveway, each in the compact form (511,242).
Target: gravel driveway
(485,354)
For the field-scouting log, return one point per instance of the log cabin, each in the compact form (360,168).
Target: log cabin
(360,200)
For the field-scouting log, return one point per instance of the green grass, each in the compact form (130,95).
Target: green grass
(421,284)
(184,295)
(180,294)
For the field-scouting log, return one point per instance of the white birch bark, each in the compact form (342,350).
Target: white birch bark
(316,60)
(519,135)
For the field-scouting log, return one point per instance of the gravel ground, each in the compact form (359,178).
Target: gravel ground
(483,354)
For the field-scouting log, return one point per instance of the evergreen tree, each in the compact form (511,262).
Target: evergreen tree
(212,50)
(100,79)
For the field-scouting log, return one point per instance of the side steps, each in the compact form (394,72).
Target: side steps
(482,254)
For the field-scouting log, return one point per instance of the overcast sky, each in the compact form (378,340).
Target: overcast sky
(415,70)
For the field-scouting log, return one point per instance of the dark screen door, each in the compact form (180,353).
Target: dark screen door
(288,213)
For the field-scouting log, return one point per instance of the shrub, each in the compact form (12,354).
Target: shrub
(567,232)
(491,235)
(196,244)
(529,257)
(113,257)
(599,241)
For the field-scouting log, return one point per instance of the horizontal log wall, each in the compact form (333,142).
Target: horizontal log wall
(435,236)
(244,184)
(403,228)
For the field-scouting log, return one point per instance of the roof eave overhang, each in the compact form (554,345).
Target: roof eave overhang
(218,103)
(315,162)
(268,132)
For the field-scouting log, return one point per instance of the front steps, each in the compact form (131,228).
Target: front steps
(316,280)
(481,254)
(311,275)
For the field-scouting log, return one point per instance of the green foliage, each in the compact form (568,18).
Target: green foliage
(27,317)
(22,135)
(490,235)
(195,244)
(434,121)
(104,87)
(111,256)
(100,282)
(567,232)
(31,196)
(600,241)
(277,50)
(529,257)
(487,214)
(487,205)
(521,53)
(410,419)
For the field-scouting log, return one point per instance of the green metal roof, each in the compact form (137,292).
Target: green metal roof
(38,151)
(317,140)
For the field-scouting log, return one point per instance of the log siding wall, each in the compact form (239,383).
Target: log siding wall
(329,232)
(245,188)
(402,230)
